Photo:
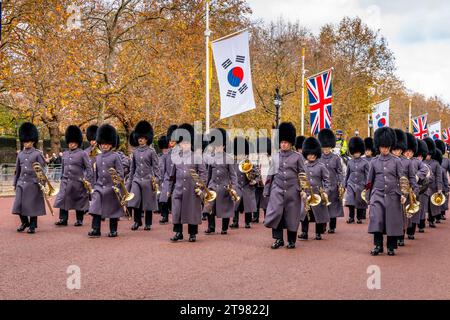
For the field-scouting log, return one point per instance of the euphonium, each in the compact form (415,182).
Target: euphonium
(233,194)
(313,200)
(324,197)
(123,196)
(201,189)
(438,199)
(414,206)
(45,185)
(246,166)
(155,186)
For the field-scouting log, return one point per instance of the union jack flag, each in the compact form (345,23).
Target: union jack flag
(446,135)
(320,96)
(420,126)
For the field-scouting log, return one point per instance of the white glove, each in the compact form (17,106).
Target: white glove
(402,199)
(303,194)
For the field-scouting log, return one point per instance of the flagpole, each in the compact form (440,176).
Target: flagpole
(368,125)
(303,92)
(207,35)
(410,116)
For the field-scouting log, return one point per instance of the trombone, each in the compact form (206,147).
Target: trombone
(201,189)
(123,196)
(45,185)
(414,206)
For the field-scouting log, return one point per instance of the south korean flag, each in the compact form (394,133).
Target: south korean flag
(232,61)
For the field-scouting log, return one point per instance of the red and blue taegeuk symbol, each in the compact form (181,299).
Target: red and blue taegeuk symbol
(235,76)
(382,122)
(435,136)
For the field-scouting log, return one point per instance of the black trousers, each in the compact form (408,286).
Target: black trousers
(410,231)
(64,214)
(97,223)
(32,221)
(248,217)
(138,217)
(278,234)
(333,223)
(212,222)
(164,209)
(360,213)
(192,228)
(422,224)
(320,227)
(378,240)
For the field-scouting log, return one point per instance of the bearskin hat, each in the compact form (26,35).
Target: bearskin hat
(241,146)
(218,137)
(368,143)
(356,145)
(440,145)
(74,134)
(107,134)
(133,140)
(431,145)
(163,143)
(422,149)
(312,146)
(412,142)
(327,138)
(401,140)
(170,131)
(144,129)
(437,156)
(28,133)
(180,133)
(384,137)
(286,132)
(264,145)
(91,132)
(299,142)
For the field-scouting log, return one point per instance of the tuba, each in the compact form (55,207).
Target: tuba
(201,189)
(45,185)
(414,206)
(233,194)
(123,196)
(313,200)
(246,166)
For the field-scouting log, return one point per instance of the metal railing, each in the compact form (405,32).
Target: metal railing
(7,173)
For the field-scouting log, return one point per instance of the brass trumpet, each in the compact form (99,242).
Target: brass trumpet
(233,194)
(246,166)
(45,185)
(201,189)
(438,199)
(414,206)
(313,200)
(341,190)
(123,196)
(155,186)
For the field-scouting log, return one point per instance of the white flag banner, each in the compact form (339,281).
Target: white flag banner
(380,115)
(232,61)
(434,130)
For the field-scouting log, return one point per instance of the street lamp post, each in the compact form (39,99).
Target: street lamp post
(277,101)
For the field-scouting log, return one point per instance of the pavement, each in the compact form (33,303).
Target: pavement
(146,265)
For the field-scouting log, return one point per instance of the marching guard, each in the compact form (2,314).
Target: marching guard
(222,179)
(247,181)
(164,199)
(29,202)
(370,152)
(355,181)
(105,202)
(383,193)
(445,170)
(318,178)
(299,143)
(283,189)
(183,189)
(93,149)
(333,163)
(125,160)
(436,185)
(144,177)
(76,181)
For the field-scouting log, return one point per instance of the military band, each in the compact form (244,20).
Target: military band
(401,180)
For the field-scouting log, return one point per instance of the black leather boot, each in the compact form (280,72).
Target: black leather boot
(178,236)
(277,244)
(61,222)
(291,245)
(192,238)
(78,223)
(94,233)
(136,226)
(303,236)
(22,227)
(376,251)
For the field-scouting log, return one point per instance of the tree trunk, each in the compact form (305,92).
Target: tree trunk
(55,137)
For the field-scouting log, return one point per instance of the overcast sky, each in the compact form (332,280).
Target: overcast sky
(418,32)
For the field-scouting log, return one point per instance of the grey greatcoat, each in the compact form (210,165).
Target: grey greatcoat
(246,191)
(355,182)
(319,177)
(422,171)
(125,163)
(436,184)
(162,172)
(386,213)
(29,200)
(221,173)
(283,188)
(186,205)
(334,165)
(445,171)
(72,193)
(104,201)
(144,166)
(264,162)
(167,167)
